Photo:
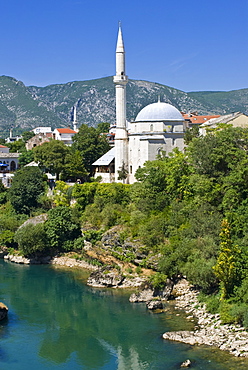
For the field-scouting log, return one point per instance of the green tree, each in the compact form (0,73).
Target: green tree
(61,227)
(228,266)
(52,156)
(103,127)
(91,144)
(74,166)
(190,133)
(122,172)
(17,146)
(26,135)
(26,157)
(31,239)
(27,185)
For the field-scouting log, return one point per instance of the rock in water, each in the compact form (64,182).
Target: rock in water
(154,305)
(105,277)
(3,311)
(186,363)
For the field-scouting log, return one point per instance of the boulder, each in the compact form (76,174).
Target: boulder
(143,296)
(3,311)
(154,305)
(186,363)
(105,277)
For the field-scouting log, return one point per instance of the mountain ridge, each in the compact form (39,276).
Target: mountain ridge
(25,107)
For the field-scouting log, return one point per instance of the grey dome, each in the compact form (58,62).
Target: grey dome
(159,112)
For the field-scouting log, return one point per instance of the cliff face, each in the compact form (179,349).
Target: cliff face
(25,107)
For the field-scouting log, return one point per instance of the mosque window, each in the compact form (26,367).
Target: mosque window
(151,127)
(131,169)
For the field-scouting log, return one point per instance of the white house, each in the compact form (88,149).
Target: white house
(64,134)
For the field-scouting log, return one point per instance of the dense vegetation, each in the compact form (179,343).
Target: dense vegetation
(187,213)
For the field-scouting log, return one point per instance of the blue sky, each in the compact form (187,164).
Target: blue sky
(190,45)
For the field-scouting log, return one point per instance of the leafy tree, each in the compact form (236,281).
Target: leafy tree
(91,144)
(122,172)
(62,194)
(17,146)
(216,154)
(52,155)
(31,239)
(103,127)
(27,185)
(74,166)
(228,267)
(26,157)
(60,227)
(26,135)
(190,133)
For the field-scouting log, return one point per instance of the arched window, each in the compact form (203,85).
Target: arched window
(12,166)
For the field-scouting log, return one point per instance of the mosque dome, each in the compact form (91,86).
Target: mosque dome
(159,112)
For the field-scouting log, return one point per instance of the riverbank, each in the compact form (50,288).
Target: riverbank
(209,329)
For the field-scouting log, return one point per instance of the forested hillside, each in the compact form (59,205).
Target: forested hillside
(24,108)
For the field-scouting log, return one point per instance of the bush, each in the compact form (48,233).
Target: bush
(27,186)
(31,239)
(158,280)
(7,238)
(61,227)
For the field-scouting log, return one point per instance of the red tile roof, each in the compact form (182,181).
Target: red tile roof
(3,146)
(198,119)
(66,131)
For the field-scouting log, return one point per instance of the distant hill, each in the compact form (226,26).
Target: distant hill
(25,107)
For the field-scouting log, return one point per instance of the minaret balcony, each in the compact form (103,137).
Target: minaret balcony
(120,79)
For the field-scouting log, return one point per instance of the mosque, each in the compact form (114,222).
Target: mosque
(158,127)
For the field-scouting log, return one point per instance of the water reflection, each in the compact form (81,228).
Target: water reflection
(65,324)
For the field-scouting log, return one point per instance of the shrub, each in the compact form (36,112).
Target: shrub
(158,280)
(31,239)
(61,227)
(27,186)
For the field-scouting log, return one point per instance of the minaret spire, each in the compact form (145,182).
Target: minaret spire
(120,81)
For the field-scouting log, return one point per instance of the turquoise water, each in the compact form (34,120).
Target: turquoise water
(57,322)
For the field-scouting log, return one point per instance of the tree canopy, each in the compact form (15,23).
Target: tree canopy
(91,144)
(52,156)
(27,186)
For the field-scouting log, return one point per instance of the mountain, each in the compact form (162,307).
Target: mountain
(25,107)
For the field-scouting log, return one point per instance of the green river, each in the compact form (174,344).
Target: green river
(57,322)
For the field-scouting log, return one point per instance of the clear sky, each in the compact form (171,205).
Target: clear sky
(191,45)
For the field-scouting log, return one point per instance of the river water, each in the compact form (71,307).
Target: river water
(57,322)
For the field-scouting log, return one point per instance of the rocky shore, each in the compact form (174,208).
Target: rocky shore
(209,330)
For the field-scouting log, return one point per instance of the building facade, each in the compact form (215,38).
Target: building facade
(158,128)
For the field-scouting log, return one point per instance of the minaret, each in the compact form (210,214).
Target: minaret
(74,122)
(121,137)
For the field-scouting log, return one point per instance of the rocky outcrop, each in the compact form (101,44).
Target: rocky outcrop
(3,311)
(110,277)
(35,220)
(153,298)
(128,250)
(209,331)
(154,305)
(72,262)
(16,258)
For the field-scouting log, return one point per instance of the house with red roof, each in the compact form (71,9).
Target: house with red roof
(64,134)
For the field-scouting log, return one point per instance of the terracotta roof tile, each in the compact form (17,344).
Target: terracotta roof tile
(66,131)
